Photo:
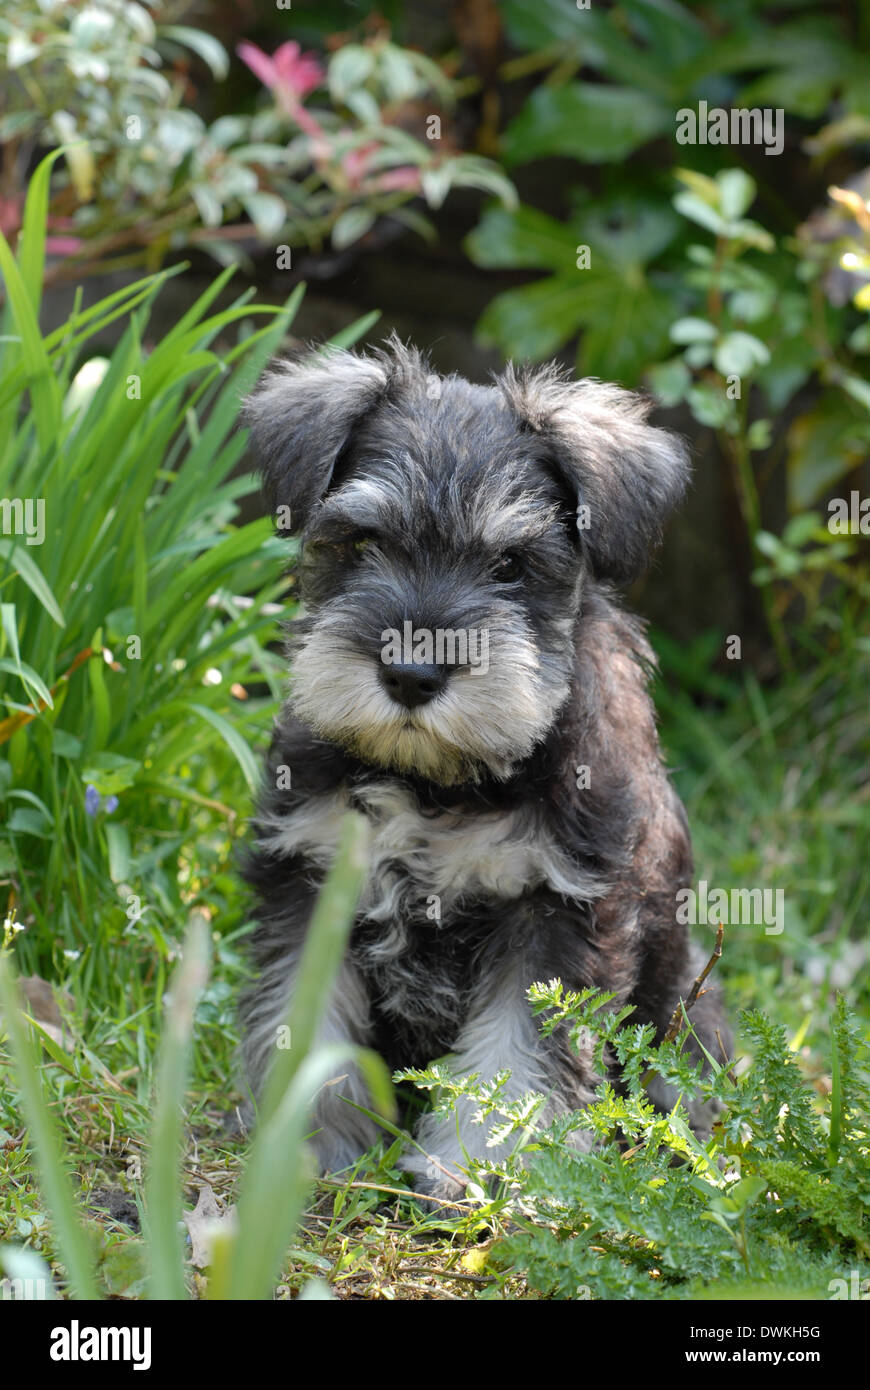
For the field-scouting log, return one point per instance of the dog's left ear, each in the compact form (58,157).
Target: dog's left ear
(302,416)
(625,475)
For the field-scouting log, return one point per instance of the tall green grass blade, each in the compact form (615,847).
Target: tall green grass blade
(54,1180)
(234,741)
(33,577)
(31,246)
(277,1174)
(346,337)
(321,958)
(163,1181)
(44,389)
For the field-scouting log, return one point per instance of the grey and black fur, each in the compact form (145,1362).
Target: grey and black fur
(455,506)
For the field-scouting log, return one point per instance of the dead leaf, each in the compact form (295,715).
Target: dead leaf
(42,1005)
(201,1223)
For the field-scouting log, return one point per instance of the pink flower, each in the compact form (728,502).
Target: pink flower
(405,177)
(355,163)
(289,73)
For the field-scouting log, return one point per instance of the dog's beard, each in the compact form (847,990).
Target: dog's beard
(480,723)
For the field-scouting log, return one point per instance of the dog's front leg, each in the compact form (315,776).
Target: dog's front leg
(499,1035)
(339,1132)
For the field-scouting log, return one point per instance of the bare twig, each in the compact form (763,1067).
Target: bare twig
(678,1017)
(398,1192)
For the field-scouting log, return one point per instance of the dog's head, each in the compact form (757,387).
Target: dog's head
(448,531)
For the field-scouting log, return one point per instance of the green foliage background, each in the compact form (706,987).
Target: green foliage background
(125,779)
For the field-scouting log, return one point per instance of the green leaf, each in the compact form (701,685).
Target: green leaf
(123,1269)
(470,171)
(692,330)
(346,337)
(739,354)
(698,354)
(592,123)
(759,434)
(349,68)
(737,192)
(17,1262)
(32,576)
(628,230)
(65,745)
(709,405)
(351,225)
(204,45)
(669,381)
(118,841)
(824,445)
(28,821)
(43,385)
(234,741)
(277,1175)
(31,244)
(163,1178)
(33,683)
(535,320)
(110,773)
(523,238)
(857,388)
(53,1177)
(629,330)
(267,212)
(694,207)
(396,73)
(624,317)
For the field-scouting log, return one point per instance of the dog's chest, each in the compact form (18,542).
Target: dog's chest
(437,888)
(433,864)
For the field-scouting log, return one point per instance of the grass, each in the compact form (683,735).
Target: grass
(246,1253)
(776,786)
(747,786)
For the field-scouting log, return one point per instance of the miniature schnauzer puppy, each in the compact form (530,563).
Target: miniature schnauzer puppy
(465,677)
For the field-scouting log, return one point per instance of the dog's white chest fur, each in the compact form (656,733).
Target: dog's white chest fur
(435,861)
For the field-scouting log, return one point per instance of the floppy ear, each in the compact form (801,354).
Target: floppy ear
(301,416)
(626,475)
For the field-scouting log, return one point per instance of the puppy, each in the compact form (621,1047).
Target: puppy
(465,677)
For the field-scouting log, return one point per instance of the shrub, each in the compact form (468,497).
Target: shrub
(145,174)
(772,1206)
(135,635)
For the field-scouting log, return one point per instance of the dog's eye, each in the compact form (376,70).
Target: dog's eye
(508,568)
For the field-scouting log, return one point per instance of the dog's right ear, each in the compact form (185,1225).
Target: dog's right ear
(301,416)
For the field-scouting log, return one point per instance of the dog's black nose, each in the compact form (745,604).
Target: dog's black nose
(413,684)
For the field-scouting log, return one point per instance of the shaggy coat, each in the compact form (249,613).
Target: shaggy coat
(523,826)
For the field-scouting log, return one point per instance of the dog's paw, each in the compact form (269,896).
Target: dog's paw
(432,1177)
